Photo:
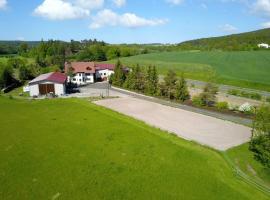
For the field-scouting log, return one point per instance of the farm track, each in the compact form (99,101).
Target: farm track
(226,88)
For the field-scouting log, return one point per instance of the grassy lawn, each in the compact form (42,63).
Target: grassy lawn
(244,159)
(73,149)
(18,92)
(249,69)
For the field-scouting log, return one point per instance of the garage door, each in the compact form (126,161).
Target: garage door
(46,89)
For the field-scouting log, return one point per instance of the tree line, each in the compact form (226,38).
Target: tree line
(146,80)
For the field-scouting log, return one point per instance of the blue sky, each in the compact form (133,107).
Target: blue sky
(130,21)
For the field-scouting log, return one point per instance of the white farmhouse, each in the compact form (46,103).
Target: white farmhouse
(83,72)
(264,45)
(104,71)
(50,83)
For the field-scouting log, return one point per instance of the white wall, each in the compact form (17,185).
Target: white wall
(104,73)
(82,79)
(60,89)
(34,90)
(90,78)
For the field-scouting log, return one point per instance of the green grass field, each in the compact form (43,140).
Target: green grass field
(73,149)
(244,159)
(249,69)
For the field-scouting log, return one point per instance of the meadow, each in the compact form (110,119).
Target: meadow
(249,69)
(73,149)
(244,160)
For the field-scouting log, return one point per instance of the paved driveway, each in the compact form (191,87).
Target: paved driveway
(96,90)
(205,130)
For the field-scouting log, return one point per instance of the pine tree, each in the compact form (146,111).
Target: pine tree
(139,79)
(119,75)
(130,81)
(182,93)
(155,79)
(170,84)
(151,81)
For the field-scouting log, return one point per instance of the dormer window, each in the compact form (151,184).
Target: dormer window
(89,68)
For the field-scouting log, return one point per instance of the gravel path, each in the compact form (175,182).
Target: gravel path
(206,130)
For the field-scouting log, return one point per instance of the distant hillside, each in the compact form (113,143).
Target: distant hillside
(11,47)
(242,41)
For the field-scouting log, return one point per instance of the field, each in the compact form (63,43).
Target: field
(250,69)
(73,149)
(243,158)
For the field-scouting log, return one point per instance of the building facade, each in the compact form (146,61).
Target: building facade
(50,83)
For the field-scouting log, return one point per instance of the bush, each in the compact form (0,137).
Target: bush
(222,105)
(260,145)
(260,142)
(233,92)
(268,99)
(197,101)
(246,108)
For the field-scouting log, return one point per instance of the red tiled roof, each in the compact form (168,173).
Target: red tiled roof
(103,66)
(55,77)
(81,67)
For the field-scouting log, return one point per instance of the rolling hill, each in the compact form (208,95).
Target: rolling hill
(248,69)
(242,41)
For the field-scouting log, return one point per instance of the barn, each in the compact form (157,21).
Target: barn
(50,83)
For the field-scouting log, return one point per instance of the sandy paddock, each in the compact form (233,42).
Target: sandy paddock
(205,130)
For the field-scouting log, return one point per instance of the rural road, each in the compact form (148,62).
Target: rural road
(206,130)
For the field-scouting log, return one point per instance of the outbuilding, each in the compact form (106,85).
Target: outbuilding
(50,83)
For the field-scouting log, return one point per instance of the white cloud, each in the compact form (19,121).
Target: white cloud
(119,3)
(228,28)
(266,25)
(175,2)
(109,18)
(60,10)
(90,4)
(3,4)
(261,7)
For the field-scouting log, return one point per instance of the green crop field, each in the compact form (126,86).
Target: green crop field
(249,69)
(73,149)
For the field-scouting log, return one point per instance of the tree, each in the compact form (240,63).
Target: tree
(260,142)
(70,72)
(139,78)
(6,76)
(130,81)
(182,92)
(170,84)
(119,76)
(23,49)
(113,53)
(24,73)
(15,63)
(151,81)
(208,96)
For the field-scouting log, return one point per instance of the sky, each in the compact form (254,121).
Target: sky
(130,21)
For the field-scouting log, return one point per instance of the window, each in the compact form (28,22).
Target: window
(105,74)
(74,79)
(80,80)
(87,74)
